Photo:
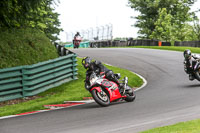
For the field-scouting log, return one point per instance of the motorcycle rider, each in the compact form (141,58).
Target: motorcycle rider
(99,69)
(76,35)
(190,61)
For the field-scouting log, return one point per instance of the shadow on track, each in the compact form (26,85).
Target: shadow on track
(95,105)
(191,86)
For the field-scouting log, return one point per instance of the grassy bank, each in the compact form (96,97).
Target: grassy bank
(69,91)
(183,127)
(24,47)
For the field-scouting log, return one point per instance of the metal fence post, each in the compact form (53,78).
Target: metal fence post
(23,80)
(73,67)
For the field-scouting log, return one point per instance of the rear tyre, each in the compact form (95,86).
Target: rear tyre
(101,98)
(130,94)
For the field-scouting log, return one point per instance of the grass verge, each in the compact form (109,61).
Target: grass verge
(24,47)
(182,127)
(73,90)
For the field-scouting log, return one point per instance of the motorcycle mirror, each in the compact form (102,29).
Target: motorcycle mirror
(118,75)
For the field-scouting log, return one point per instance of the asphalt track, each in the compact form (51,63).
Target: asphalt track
(168,98)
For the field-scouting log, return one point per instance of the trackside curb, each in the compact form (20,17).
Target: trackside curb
(34,112)
(144,82)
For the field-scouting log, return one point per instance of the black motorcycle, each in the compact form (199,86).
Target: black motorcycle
(193,69)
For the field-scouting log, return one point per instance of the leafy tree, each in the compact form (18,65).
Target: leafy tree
(14,12)
(165,30)
(163,26)
(30,13)
(189,33)
(46,20)
(149,14)
(196,27)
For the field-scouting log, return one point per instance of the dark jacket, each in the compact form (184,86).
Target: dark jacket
(190,63)
(97,67)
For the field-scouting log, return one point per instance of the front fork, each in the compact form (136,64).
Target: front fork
(125,84)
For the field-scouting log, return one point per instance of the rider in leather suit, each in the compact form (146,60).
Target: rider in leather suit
(99,69)
(190,61)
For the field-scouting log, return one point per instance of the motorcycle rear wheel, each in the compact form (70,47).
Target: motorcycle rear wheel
(101,98)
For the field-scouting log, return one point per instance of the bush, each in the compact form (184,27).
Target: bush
(24,47)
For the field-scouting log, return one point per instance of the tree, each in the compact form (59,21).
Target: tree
(46,20)
(163,26)
(149,14)
(14,12)
(165,30)
(190,35)
(196,27)
(30,13)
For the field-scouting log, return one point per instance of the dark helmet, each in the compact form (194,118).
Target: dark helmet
(187,53)
(86,61)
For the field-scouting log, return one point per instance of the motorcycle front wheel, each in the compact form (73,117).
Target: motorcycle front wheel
(197,75)
(101,98)
(130,94)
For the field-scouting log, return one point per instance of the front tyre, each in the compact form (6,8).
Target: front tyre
(197,75)
(101,98)
(130,94)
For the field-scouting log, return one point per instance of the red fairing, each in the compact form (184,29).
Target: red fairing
(77,40)
(114,91)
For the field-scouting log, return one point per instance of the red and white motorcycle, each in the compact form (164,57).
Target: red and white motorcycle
(77,41)
(104,91)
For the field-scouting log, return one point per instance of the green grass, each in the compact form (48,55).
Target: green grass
(73,90)
(183,127)
(24,47)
